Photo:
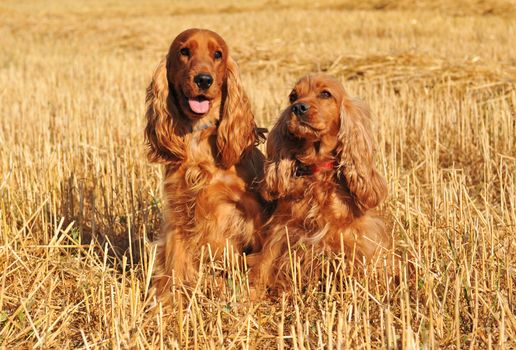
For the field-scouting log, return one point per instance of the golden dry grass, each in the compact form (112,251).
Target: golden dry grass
(79,202)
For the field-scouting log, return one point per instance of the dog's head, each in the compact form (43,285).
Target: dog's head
(322,123)
(196,70)
(197,75)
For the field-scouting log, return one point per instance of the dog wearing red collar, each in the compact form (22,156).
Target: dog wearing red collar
(320,171)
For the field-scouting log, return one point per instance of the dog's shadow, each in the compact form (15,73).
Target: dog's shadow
(117,220)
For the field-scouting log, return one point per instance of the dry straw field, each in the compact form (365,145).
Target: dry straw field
(79,203)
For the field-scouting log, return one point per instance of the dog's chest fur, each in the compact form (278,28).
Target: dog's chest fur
(322,205)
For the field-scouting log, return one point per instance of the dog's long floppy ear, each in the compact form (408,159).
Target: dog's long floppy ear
(279,165)
(236,131)
(355,155)
(164,145)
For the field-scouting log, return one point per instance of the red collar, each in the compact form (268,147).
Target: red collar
(302,170)
(316,168)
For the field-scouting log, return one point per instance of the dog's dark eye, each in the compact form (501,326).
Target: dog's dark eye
(217,55)
(292,97)
(325,94)
(185,52)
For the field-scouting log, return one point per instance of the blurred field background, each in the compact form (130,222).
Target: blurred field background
(79,203)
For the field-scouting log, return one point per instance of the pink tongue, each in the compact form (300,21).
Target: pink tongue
(199,107)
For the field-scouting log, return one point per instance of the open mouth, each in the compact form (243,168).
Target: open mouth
(199,104)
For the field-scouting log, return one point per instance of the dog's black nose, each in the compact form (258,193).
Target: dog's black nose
(300,109)
(203,80)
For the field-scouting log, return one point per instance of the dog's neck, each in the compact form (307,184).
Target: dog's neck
(312,169)
(315,153)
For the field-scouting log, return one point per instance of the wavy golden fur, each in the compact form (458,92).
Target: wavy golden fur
(201,128)
(320,169)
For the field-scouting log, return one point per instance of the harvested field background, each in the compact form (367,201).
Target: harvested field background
(79,203)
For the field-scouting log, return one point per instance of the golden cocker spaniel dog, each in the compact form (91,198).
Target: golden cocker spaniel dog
(321,171)
(201,128)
